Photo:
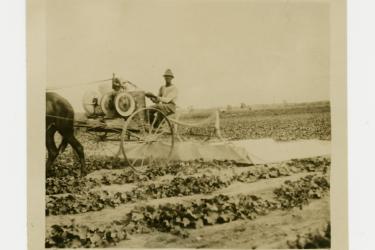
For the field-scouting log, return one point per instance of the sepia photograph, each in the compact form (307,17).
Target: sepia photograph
(189,124)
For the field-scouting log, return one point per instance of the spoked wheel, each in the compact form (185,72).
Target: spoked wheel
(147,137)
(102,143)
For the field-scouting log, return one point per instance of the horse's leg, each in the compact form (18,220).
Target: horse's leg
(51,148)
(78,148)
(62,146)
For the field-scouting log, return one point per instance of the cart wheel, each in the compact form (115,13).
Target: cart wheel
(106,104)
(146,140)
(124,104)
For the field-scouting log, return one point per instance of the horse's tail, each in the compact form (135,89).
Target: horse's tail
(62,145)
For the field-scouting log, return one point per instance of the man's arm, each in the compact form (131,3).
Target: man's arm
(150,95)
(153,98)
(160,91)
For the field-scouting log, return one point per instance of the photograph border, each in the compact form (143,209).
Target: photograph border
(36,85)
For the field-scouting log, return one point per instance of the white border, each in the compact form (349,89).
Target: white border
(361,110)
(361,115)
(13,124)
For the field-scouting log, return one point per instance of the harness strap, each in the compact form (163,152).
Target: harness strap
(60,117)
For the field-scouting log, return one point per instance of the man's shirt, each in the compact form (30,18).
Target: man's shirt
(168,94)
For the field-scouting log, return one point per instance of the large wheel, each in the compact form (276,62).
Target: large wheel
(106,103)
(124,104)
(147,137)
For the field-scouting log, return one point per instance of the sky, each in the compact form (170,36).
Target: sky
(221,52)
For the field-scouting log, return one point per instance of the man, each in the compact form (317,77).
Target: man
(107,103)
(118,85)
(165,101)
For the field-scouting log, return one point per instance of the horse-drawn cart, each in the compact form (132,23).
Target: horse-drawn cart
(145,134)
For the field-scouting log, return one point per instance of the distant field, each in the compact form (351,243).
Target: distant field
(277,110)
(310,122)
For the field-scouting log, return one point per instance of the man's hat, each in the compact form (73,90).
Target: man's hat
(168,72)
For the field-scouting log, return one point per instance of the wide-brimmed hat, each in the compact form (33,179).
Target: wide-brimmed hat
(168,72)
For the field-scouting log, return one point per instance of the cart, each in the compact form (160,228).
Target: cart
(122,116)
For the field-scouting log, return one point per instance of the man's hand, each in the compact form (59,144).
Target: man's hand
(153,98)
(149,95)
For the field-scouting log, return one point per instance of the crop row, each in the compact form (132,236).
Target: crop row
(297,193)
(185,186)
(287,168)
(66,166)
(71,184)
(75,184)
(78,236)
(96,200)
(176,218)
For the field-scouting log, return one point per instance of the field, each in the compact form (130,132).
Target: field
(281,124)
(197,204)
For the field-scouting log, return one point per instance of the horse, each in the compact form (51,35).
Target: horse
(60,118)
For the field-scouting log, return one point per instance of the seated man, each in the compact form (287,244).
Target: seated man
(118,85)
(166,100)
